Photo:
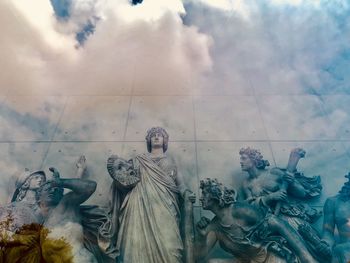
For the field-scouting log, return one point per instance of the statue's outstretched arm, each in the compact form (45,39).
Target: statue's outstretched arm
(328,221)
(81,189)
(81,166)
(180,182)
(295,155)
(293,186)
(206,239)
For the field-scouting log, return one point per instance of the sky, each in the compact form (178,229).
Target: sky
(91,76)
(302,46)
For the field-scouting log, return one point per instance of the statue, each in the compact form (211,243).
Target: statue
(24,208)
(18,218)
(246,231)
(277,188)
(145,207)
(284,193)
(60,212)
(27,185)
(337,215)
(60,226)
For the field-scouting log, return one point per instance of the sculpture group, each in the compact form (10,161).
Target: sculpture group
(149,217)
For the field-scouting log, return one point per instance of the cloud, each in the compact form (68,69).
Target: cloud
(278,46)
(146,45)
(133,50)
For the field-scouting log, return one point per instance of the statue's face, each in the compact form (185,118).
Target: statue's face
(246,162)
(35,181)
(51,195)
(206,200)
(157,140)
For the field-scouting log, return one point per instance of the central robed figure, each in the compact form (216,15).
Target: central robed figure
(145,205)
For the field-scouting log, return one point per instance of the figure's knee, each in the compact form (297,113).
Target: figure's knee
(274,222)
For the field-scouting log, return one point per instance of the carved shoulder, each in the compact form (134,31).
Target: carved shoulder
(330,204)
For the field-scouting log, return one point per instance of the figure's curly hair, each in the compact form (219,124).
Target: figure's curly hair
(218,192)
(151,132)
(256,157)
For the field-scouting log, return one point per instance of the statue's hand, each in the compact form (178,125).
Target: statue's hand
(280,195)
(55,173)
(288,177)
(297,153)
(189,195)
(81,163)
(202,226)
(56,177)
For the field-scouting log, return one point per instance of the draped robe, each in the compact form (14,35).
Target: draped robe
(149,215)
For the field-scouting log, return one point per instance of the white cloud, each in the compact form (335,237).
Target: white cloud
(281,48)
(149,39)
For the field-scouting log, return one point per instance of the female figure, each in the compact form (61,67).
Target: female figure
(27,185)
(149,214)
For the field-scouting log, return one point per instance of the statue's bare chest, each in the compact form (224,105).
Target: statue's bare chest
(342,214)
(263,184)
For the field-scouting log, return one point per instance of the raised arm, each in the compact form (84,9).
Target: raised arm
(81,189)
(206,239)
(81,166)
(294,187)
(295,155)
(329,221)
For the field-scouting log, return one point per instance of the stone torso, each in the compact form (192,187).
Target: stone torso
(263,184)
(342,219)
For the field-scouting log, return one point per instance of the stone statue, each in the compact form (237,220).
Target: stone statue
(23,208)
(284,192)
(246,231)
(26,186)
(24,238)
(277,188)
(60,212)
(17,215)
(144,205)
(337,215)
(60,226)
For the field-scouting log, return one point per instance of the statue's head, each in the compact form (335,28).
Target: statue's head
(252,158)
(344,192)
(157,137)
(49,193)
(28,181)
(215,194)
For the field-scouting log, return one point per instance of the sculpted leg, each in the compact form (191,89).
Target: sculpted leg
(292,237)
